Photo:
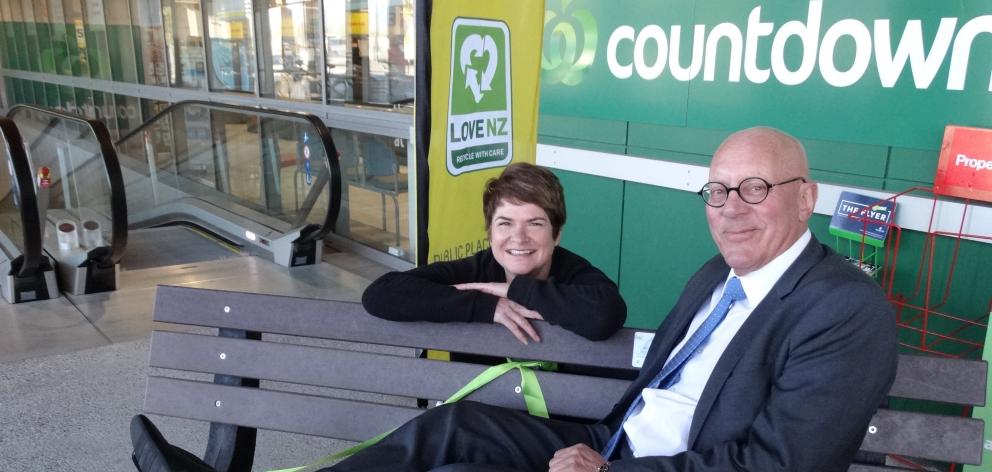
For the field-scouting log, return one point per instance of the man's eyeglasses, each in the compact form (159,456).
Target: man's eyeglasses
(753,190)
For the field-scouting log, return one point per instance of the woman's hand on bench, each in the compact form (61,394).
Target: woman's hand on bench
(514,317)
(509,313)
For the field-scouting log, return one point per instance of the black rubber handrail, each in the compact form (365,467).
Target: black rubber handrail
(23,184)
(331,164)
(112,166)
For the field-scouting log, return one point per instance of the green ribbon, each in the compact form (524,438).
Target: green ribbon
(529,387)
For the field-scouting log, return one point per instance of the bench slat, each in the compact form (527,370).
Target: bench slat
(960,381)
(278,411)
(565,394)
(350,322)
(926,436)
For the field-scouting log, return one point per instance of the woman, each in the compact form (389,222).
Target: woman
(522,276)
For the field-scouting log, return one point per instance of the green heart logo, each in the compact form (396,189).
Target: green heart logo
(570,39)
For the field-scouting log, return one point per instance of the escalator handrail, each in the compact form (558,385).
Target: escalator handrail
(112,166)
(323,132)
(30,223)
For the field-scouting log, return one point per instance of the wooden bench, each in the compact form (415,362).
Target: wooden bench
(295,350)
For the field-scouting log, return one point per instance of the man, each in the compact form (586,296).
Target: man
(788,380)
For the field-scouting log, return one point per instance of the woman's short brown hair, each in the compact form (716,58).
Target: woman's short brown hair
(521,183)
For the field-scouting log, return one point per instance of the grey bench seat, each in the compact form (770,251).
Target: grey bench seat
(313,382)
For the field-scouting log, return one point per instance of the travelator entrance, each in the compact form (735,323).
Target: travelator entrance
(199,181)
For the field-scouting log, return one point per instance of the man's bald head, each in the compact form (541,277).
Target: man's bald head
(782,150)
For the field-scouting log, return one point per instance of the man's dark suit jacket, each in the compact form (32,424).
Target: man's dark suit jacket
(798,384)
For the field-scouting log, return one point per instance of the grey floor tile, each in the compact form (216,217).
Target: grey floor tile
(44,327)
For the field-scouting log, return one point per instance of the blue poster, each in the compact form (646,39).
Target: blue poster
(858,216)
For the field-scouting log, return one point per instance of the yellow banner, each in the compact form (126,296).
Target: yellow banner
(486,59)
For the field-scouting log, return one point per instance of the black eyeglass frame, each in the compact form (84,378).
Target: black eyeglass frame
(737,189)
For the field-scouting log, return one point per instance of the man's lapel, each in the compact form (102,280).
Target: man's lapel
(765,316)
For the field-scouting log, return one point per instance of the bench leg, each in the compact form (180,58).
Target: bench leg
(231,448)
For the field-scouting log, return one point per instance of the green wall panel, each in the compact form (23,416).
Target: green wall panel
(849,158)
(846,179)
(671,156)
(674,138)
(586,129)
(579,144)
(913,164)
(898,185)
(595,214)
(665,239)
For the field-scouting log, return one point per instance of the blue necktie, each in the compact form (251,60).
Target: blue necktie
(670,372)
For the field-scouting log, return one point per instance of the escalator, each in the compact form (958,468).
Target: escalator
(267,182)
(25,271)
(199,181)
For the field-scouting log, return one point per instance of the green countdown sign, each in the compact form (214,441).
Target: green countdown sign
(875,72)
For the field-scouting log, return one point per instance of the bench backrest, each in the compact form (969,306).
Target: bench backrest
(305,351)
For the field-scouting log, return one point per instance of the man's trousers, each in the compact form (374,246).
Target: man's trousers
(473,436)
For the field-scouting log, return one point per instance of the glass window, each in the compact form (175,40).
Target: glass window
(52,95)
(20,38)
(128,111)
(291,35)
(97,49)
(84,102)
(370,51)
(8,51)
(67,98)
(375,179)
(11,94)
(232,45)
(30,34)
(103,110)
(187,63)
(43,24)
(59,32)
(76,38)
(149,38)
(121,41)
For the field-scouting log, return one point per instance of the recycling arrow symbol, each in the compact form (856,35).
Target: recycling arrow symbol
(474,47)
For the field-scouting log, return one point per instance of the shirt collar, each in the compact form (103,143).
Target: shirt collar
(758,283)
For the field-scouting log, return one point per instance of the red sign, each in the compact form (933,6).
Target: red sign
(965,166)
(44,177)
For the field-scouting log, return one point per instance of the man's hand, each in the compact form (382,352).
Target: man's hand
(577,458)
(498,289)
(514,317)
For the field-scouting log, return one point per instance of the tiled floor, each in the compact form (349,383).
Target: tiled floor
(73,369)
(70,323)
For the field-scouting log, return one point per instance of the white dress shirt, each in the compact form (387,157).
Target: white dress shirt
(660,427)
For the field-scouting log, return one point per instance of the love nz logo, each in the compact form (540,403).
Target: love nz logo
(480,125)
